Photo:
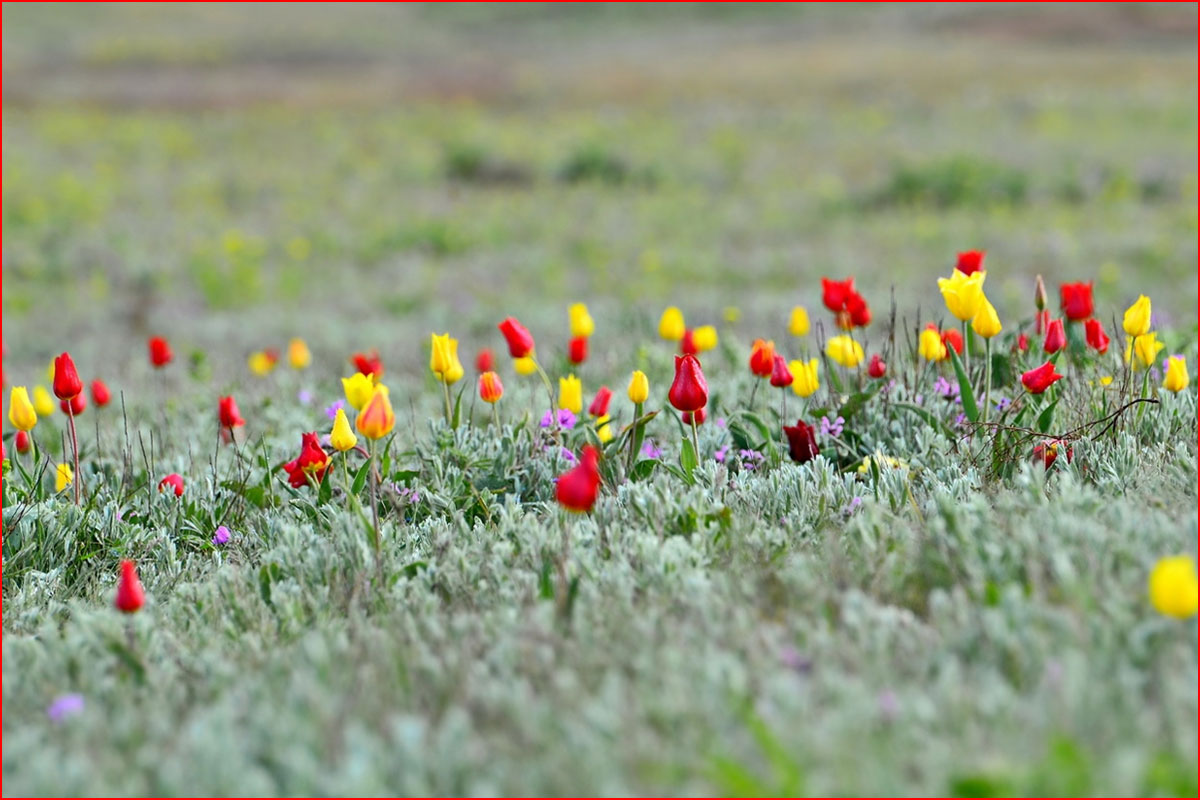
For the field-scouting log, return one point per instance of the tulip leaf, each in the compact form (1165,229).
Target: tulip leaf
(927,417)
(1046,418)
(676,471)
(360,479)
(325,490)
(643,469)
(687,458)
(457,408)
(964,385)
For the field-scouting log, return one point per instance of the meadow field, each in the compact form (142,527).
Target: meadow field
(952,597)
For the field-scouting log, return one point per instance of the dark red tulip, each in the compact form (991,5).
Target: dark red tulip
(484,361)
(1047,452)
(1076,300)
(160,352)
(577,487)
(313,460)
(781,376)
(1097,339)
(802,441)
(834,294)
(520,340)
(173,482)
(100,394)
(970,261)
(66,379)
(687,345)
(130,595)
(599,406)
(699,415)
(952,338)
(366,363)
(1056,337)
(877,368)
(228,414)
(75,406)
(1039,380)
(689,391)
(22,442)
(577,350)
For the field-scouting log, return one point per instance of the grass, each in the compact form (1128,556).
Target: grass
(970,623)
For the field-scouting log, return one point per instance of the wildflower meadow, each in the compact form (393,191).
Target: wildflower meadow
(744,418)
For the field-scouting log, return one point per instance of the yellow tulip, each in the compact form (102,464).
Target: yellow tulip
(443,358)
(639,387)
(1105,380)
(1177,375)
(671,326)
(260,363)
(525,366)
(63,477)
(804,377)
(358,389)
(1137,317)
(342,438)
(1173,588)
(20,411)
(299,356)
(704,338)
(603,429)
(50,371)
(987,321)
(377,419)
(798,321)
(845,351)
(931,346)
(570,394)
(1146,347)
(43,403)
(581,321)
(963,293)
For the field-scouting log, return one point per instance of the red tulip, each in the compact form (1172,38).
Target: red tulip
(160,352)
(313,460)
(1039,380)
(66,379)
(781,376)
(484,361)
(100,394)
(970,261)
(835,293)
(687,345)
(228,414)
(762,358)
(1097,339)
(599,406)
(1056,337)
(699,415)
(367,364)
(490,387)
(22,442)
(520,340)
(172,481)
(1047,452)
(877,368)
(689,391)
(952,338)
(802,441)
(577,487)
(130,595)
(577,350)
(857,311)
(1022,343)
(75,405)
(1076,300)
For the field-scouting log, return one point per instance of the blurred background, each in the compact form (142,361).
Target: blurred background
(230,175)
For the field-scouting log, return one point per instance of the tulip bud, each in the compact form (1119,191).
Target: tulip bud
(484,362)
(43,403)
(22,441)
(798,322)
(599,406)
(570,394)
(160,352)
(698,416)
(358,389)
(952,339)
(802,442)
(174,482)
(876,368)
(376,419)
(342,438)
(1137,317)
(130,595)
(578,487)
(1146,348)
(781,376)
(490,387)
(603,429)
(66,379)
(20,411)
(845,351)
(1056,337)
(524,366)
(689,391)
(1176,379)
(963,293)
(582,325)
(63,477)
(1076,300)
(228,414)
(299,356)
(1173,587)
(762,358)
(75,406)
(970,261)
(443,359)
(806,382)
(100,394)
(1039,294)
(834,294)
(671,325)
(1097,339)
(687,345)
(368,364)
(1040,379)
(987,321)
(930,345)
(639,387)
(520,340)
(704,338)
(577,350)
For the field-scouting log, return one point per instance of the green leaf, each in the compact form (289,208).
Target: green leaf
(1046,418)
(643,469)
(927,417)
(360,478)
(964,385)
(457,408)
(688,459)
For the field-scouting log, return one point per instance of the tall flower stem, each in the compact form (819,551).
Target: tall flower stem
(74,450)
(695,439)
(495,416)
(374,502)
(987,378)
(966,335)
(635,437)
(446,394)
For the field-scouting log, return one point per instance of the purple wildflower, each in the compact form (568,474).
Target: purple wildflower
(305,397)
(889,706)
(67,705)
(567,455)
(566,420)
(750,459)
(720,454)
(832,427)
(337,406)
(960,420)
(719,422)
(409,494)
(1003,403)
(650,450)
(221,536)
(946,389)
(792,659)
(853,505)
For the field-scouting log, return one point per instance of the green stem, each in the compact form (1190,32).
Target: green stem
(374,501)
(987,379)
(446,393)
(495,417)
(74,451)
(695,439)
(635,439)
